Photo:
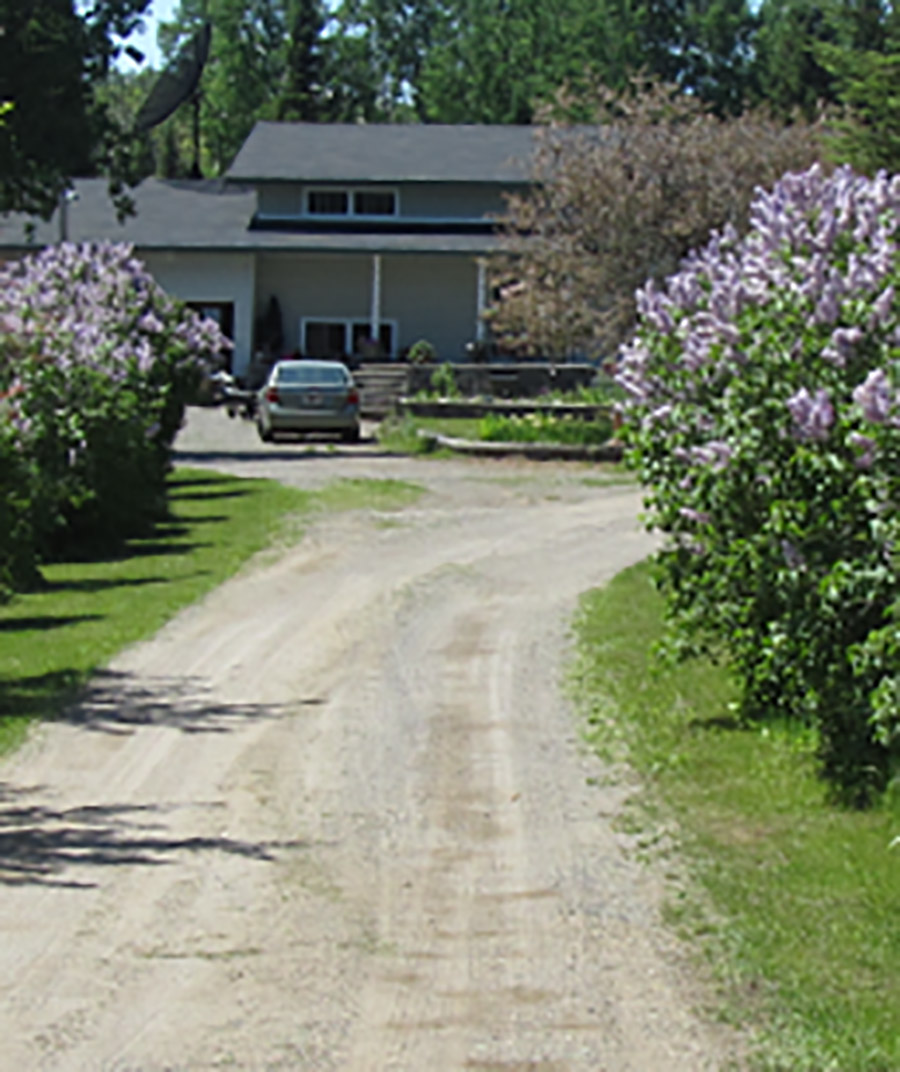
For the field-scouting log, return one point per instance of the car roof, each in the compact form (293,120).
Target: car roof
(308,362)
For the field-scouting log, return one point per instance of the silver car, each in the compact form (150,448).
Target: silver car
(301,396)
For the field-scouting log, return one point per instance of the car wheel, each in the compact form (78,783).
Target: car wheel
(351,435)
(264,435)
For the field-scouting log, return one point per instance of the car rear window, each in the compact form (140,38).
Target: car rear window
(306,375)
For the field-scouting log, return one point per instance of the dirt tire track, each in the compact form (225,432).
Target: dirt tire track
(336,816)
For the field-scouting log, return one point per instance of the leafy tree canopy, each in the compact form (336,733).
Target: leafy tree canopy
(53,57)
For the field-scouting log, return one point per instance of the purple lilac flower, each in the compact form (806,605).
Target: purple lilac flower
(151,323)
(653,306)
(840,346)
(813,415)
(866,446)
(874,398)
(882,308)
(699,516)
(717,454)
(661,413)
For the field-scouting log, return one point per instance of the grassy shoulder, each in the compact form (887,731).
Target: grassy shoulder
(52,639)
(796,904)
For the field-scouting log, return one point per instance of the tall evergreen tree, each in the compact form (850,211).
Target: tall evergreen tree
(381,48)
(867,135)
(500,58)
(798,41)
(303,95)
(716,52)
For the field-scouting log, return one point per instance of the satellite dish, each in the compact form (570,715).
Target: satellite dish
(177,83)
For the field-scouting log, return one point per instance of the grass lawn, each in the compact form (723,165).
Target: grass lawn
(401,434)
(795,904)
(51,640)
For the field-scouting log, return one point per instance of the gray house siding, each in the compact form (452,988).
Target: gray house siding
(446,200)
(325,287)
(423,296)
(211,277)
(432,298)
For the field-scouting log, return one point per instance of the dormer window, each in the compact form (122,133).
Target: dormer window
(327,202)
(374,203)
(331,201)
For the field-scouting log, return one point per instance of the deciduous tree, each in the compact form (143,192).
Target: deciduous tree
(623,200)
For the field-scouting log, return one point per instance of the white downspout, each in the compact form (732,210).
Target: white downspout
(480,325)
(375,313)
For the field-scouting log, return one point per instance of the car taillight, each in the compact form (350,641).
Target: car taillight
(353,397)
(272,395)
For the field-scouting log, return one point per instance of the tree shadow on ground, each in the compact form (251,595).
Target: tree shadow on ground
(304,451)
(44,846)
(202,496)
(118,702)
(99,584)
(34,695)
(219,485)
(45,621)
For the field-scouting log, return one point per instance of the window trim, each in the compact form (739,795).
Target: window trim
(351,192)
(348,323)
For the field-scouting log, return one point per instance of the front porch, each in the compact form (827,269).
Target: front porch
(358,306)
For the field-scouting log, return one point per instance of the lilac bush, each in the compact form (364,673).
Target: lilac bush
(18,567)
(763,415)
(99,363)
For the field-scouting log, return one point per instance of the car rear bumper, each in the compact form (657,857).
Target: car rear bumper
(293,420)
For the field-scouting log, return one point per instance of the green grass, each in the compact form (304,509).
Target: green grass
(401,434)
(795,904)
(51,640)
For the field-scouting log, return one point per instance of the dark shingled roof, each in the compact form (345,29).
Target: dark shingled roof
(200,214)
(188,214)
(388,152)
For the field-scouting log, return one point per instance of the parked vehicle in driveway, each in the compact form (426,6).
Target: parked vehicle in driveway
(305,396)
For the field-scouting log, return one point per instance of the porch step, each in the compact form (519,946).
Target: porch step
(379,388)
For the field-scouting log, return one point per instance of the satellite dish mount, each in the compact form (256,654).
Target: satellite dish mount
(179,83)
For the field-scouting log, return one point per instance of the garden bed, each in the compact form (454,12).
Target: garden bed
(462,408)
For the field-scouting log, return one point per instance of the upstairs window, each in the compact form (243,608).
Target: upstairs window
(327,202)
(374,203)
(351,202)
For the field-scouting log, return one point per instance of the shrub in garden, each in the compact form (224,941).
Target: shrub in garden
(763,415)
(98,362)
(422,352)
(443,381)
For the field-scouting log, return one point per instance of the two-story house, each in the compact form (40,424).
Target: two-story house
(361,239)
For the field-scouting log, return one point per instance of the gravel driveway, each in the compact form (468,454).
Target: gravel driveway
(336,816)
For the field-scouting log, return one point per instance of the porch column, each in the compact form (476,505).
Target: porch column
(375,314)
(480,304)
